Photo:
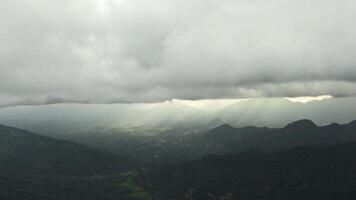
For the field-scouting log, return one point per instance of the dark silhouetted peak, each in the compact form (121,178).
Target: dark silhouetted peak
(223,127)
(249,128)
(221,131)
(301,125)
(333,125)
(215,123)
(352,124)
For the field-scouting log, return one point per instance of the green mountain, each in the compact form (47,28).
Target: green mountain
(309,172)
(227,139)
(25,152)
(319,166)
(172,146)
(35,167)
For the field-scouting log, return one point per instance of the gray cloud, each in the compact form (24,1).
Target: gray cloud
(104,51)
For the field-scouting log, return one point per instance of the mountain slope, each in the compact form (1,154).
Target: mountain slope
(26,152)
(220,140)
(308,172)
(227,139)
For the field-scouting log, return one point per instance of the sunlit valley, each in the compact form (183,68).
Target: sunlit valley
(177,100)
(172,150)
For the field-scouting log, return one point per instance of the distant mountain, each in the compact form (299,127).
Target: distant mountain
(65,119)
(275,112)
(307,172)
(301,125)
(228,133)
(175,146)
(227,139)
(215,123)
(25,152)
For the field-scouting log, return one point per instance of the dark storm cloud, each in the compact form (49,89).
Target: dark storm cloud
(141,51)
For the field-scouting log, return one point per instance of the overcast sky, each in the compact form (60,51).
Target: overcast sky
(104,51)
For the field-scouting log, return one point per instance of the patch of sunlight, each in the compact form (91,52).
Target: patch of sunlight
(135,190)
(306,99)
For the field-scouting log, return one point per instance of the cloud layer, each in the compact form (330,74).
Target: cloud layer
(104,51)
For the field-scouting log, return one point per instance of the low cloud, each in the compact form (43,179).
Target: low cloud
(105,51)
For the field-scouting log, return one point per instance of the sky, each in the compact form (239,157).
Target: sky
(119,51)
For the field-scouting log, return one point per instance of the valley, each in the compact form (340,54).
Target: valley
(301,160)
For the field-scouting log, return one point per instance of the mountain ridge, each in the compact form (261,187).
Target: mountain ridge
(228,139)
(301,124)
(27,152)
(319,172)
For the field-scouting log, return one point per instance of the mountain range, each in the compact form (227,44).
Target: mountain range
(226,138)
(26,152)
(64,119)
(325,172)
(299,161)
(169,147)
